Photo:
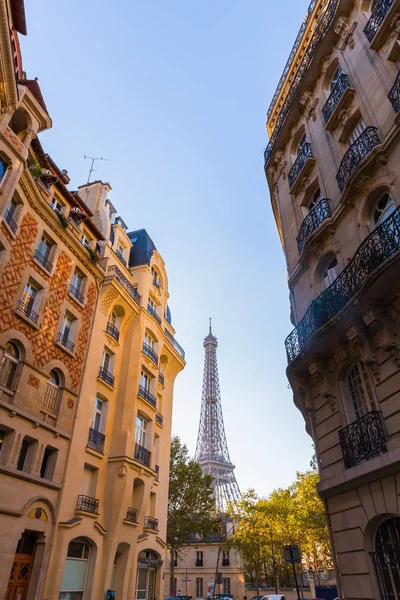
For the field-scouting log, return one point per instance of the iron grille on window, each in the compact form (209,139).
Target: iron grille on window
(161,378)
(120,256)
(96,440)
(27,310)
(174,343)
(142,455)
(337,93)
(159,418)
(106,376)
(387,558)
(76,292)
(113,331)
(151,523)
(380,245)
(153,313)
(8,217)
(313,220)
(304,154)
(376,19)
(148,351)
(131,515)
(113,271)
(394,94)
(362,440)
(360,149)
(146,395)
(43,260)
(88,504)
(63,339)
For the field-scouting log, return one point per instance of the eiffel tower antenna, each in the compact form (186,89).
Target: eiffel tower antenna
(212,449)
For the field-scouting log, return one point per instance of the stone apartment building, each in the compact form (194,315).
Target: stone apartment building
(88,360)
(333,169)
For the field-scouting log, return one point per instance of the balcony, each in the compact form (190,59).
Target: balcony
(394,94)
(25,308)
(159,419)
(340,92)
(174,343)
(131,515)
(354,156)
(120,257)
(96,440)
(88,504)
(153,313)
(161,378)
(113,331)
(67,343)
(363,440)
(146,395)
(142,455)
(301,165)
(8,217)
(106,376)
(312,221)
(43,260)
(76,293)
(151,523)
(377,248)
(113,271)
(148,351)
(376,19)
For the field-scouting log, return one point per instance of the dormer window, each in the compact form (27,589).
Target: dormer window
(120,252)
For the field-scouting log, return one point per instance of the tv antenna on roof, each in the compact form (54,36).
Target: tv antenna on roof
(93,159)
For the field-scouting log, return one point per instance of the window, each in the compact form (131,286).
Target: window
(315,199)
(156,277)
(331,273)
(48,463)
(67,331)
(383,209)
(57,205)
(356,132)
(226,584)
(11,214)
(140,433)
(2,438)
(302,142)
(107,360)
(152,305)
(3,168)
(225,559)
(361,390)
(30,299)
(77,285)
(335,77)
(75,570)
(50,400)
(149,341)
(26,454)
(9,365)
(145,381)
(199,558)
(44,250)
(199,587)
(99,415)
(89,481)
(86,240)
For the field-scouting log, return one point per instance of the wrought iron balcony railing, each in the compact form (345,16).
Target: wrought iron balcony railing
(304,154)
(376,19)
(159,418)
(199,562)
(142,455)
(153,313)
(146,395)
(113,331)
(312,221)
(359,150)
(121,257)
(43,260)
(63,339)
(131,515)
(88,504)
(96,440)
(26,308)
(151,523)
(8,217)
(378,247)
(148,351)
(362,440)
(161,378)
(76,292)
(174,343)
(113,271)
(337,93)
(106,376)
(394,94)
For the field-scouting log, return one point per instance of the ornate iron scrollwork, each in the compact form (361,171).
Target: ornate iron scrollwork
(363,145)
(394,94)
(299,163)
(375,21)
(362,440)
(337,92)
(313,220)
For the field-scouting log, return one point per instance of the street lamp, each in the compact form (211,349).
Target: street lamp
(273,558)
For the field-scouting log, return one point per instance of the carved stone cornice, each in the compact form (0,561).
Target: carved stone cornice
(321,371)
(379,321)
(361,339)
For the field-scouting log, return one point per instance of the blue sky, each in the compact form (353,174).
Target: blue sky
(175,93)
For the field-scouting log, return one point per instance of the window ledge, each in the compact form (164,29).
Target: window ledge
(131,523)
(64,348)
(94,452)
(108,385)
(13,472)
(25,318)
(87,513)
(147,530)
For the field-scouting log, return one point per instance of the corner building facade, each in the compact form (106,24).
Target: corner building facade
(333,169)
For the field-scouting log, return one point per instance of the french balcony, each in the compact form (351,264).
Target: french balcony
(88,504)
(199,563)
(376,19)
(76,293)
(106,376)
(153,313)
(174,343)
(114,272)
(375,250)
(341,93)
(394,94)
(159,419)
(131,515)
(355,155)
(161,378)
(151,523)
(25,307)
(142,455)
(363,440)
(113,331)
(312,221)
(146,395)
(120,257)
(66,342)
(8,217)
(301,166)
(43,260)
(96,440)
(150,353)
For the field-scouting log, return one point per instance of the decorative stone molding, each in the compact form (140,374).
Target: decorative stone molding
(361,340)
(381,323)
(279,167)
(320,370)
(345,32)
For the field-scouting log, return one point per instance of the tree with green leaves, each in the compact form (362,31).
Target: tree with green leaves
(191,503)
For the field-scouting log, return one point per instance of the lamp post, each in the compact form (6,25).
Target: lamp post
(273,558)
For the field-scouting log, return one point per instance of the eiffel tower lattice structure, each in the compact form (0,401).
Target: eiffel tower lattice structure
(212,449)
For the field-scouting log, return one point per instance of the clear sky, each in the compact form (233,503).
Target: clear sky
(174,93)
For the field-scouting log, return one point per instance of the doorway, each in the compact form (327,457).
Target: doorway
(386,558)
(22,567)
(148,561)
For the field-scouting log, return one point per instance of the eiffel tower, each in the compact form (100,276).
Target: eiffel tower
(212,449)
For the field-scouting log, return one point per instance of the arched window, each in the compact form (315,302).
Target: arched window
(50,400)
(387,549)
(331,273)
(75,570)
(361,390)
(383,208)
(9,365)
(335,77)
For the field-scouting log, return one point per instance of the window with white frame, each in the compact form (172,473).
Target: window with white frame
(30,299)
(9,365)
(86,240)
(199,558)
(107,361)
(99,415)
(332,271)
(57,205)
(357,130)
(78,281)
(156,277)
(145,380)
(51,398)
(11,214)
(68,330)
(361,391)
(44,252)
(149,340)
(141,431)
